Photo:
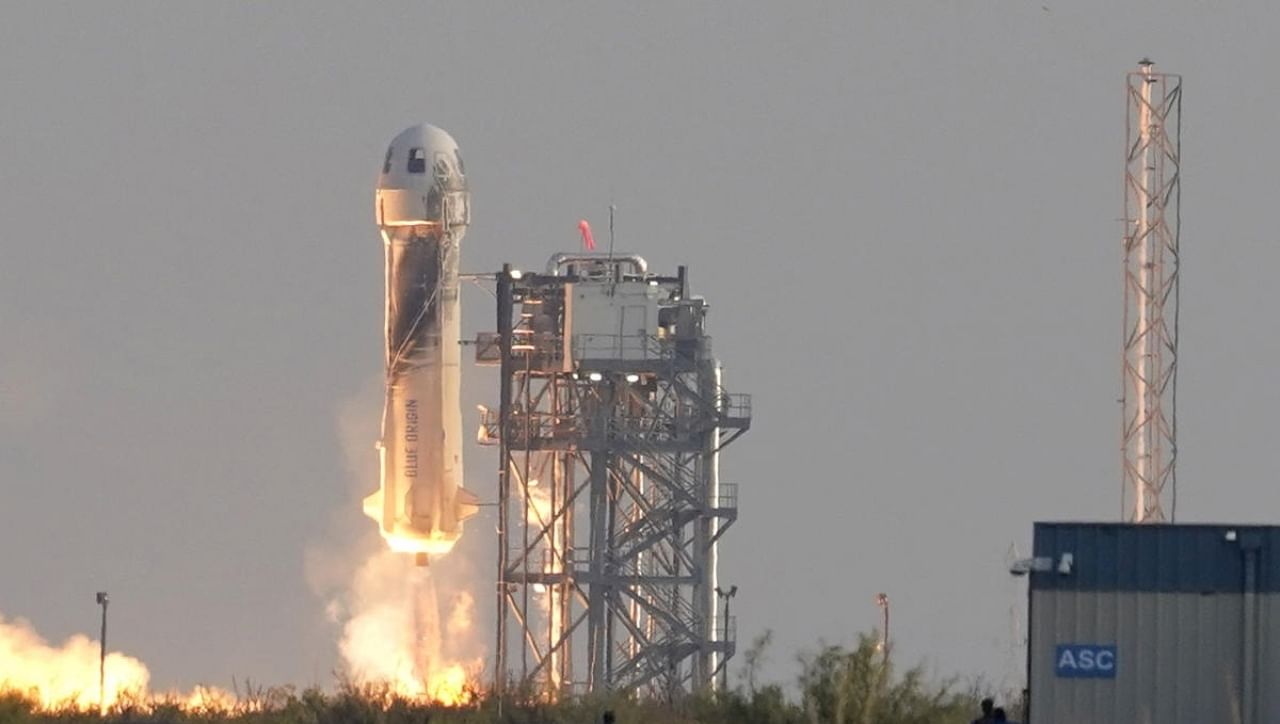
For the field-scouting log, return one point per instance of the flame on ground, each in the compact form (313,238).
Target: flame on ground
(66,677)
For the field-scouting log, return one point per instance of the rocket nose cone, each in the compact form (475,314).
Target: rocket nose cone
(423,181)
(420,157)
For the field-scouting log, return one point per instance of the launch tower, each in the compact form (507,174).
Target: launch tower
(610,426)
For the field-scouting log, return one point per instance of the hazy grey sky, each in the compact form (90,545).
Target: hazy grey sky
(904,215)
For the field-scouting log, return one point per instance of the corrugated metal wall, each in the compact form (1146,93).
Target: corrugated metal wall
(1172,602)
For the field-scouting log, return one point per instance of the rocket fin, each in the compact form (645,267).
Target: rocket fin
(467,503)
(373,505)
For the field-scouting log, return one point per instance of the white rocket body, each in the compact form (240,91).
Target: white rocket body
(422,207)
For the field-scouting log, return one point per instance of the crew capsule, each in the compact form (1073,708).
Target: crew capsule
(423,181)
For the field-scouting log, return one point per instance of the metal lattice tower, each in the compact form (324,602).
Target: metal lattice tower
(610,426)
(1151,294)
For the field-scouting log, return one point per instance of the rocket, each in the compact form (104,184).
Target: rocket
(422,207)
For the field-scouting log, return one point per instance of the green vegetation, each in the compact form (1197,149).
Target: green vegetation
(836,686)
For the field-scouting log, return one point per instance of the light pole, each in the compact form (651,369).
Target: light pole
(882,600)
(724,664)
(103,600)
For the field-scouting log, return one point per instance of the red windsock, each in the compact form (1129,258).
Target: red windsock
(588,242)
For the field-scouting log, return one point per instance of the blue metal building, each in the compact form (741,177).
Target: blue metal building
(1139,624)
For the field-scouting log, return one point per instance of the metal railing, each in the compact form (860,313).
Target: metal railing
(728,497)
(617,347)
(542,349)
(735,404)
(488,348)
(728,629)
(632,429)
(525,428)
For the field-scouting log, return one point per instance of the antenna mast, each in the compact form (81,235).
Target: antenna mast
(1152,190)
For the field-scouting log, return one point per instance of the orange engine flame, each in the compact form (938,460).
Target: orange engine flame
(395,640)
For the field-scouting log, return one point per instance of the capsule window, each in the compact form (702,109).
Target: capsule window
(417,160)
(386,164)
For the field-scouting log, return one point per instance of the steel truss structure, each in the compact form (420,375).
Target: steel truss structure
(610,425)
(1152,191)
